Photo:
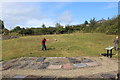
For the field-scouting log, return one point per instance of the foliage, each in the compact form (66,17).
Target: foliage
(109,26)
(43,26)
(16,29)
(5,31)
(86,22)
(1,24)
(26,31)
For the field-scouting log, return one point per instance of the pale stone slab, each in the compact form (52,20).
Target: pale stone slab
(91,64)
(19,76)
(54,66)
(80,65)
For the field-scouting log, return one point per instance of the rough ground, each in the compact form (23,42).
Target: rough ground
(106,68)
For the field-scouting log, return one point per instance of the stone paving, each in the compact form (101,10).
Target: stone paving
(48,63)
(52,63)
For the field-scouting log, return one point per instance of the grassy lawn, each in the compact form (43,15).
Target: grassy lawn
(67,45)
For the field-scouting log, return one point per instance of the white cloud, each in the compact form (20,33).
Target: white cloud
(38,23)
(65,17)
(24,15)
(29,15)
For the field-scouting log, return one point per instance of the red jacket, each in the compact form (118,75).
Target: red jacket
(43,41)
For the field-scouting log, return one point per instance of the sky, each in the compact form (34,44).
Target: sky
(34,14)
(59,0)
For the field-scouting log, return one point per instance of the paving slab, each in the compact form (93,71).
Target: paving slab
(79,65)
(57,63)
(57,60)
(19,76)
(44,65)
(91,64)
(11,62)
(74,61)
(31,65)
(67,66)
(6,67)
(24,65)
(32,76)
(44,62)
(110,75)
(17,65)
(86,61)
(14,60)
(54,66)
(48,77)
(41,59)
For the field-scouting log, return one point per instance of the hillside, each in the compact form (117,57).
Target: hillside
(65,45)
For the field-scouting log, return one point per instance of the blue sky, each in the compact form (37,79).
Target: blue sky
(34,14)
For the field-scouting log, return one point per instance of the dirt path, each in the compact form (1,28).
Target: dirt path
(106,65)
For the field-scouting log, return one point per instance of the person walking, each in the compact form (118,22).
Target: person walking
(43,44)
(116,42)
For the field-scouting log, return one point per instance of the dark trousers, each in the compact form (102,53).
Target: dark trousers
(43,47)
(116,46)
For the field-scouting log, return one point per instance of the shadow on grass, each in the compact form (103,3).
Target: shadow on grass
(50,48)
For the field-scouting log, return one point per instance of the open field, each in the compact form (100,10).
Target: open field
(67,45)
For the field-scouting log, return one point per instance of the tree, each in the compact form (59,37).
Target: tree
(57,25)
(43,26)
(92,25)
(26,31)
(51,30)
(108,18)
(59,28)
(16,29)
(69,29)
(37,31)
(5,31)
(1,24)
(29,31)
(22,31)
(93,22)
(86,22)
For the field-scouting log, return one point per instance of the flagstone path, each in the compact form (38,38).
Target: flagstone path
(27,67)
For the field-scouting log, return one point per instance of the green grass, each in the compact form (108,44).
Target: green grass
(67,45)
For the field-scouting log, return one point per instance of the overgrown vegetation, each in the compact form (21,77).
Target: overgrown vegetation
(109,26)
